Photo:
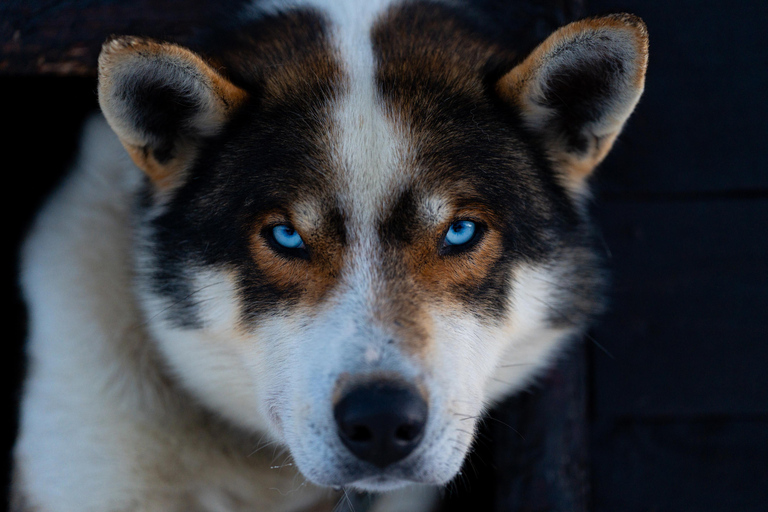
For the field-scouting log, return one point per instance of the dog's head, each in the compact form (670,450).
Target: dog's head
(357,234)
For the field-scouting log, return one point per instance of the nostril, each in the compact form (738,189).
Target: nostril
(408,432)
(381,422)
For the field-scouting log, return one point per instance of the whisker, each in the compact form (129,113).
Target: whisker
(477,435)
(293,489)
(287,457)
(598,345)
(554,284)
(473,402)
(472,465)
(486,418)
(344,499)
(608,253)
(260,446)
(496,379)
(516,364)
(281,466)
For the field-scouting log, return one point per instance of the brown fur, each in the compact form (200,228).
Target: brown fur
(422,50)
(312,277)
(264,58)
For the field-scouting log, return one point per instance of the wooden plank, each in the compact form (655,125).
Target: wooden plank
(688,326)
(710,464)
(64,37)
(543,463)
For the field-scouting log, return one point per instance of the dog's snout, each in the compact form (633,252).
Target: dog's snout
(381,422)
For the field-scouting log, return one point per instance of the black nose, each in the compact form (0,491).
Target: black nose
(381,422)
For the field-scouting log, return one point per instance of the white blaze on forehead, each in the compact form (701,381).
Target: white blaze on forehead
(368,159)
(367,151)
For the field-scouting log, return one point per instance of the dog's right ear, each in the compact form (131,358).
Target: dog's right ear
(161,99)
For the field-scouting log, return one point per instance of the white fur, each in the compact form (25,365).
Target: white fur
(73,273)
(90,401)
(212,362)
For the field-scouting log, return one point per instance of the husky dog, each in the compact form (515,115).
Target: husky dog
(345,229)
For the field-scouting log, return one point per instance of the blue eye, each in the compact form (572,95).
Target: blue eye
(460,232)
(287,237)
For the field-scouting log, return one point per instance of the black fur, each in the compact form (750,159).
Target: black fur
(579,96)
(164,113)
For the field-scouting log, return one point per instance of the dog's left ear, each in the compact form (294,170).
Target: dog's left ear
(162,100)
(578,87)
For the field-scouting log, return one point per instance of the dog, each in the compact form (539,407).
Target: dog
(305,256)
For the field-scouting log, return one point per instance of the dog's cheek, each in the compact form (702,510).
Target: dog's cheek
(461,362)
(274,369)
(464,355)
(213,359)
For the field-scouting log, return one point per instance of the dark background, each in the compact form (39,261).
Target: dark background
(677,397)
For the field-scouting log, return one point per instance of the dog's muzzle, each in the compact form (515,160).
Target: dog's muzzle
(381,422)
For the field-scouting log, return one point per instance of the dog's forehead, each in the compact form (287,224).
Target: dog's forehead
(362,130)
(373,148)
(404,100)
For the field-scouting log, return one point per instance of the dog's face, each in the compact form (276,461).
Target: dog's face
(369,230)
